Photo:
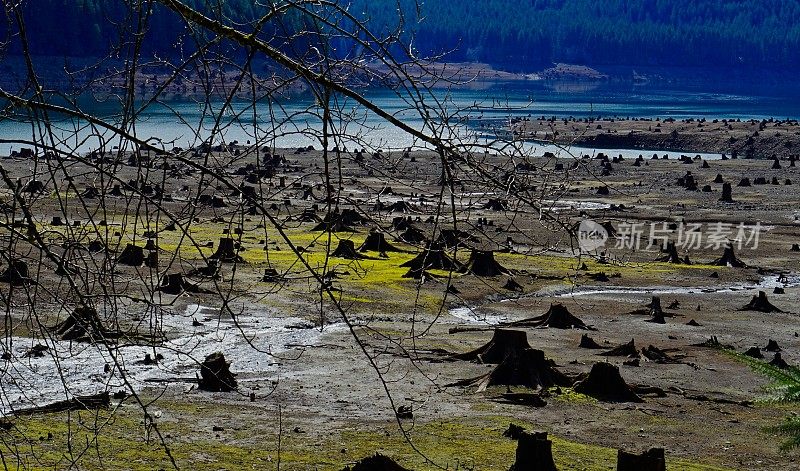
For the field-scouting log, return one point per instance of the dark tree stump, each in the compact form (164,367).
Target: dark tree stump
(376,242)
(376,463)
(16,273)
(226,251)
(718,178)
(604,383)
(175,283)
(672,255)
(215,374)
(529,368)
(727,193)
(512,285)
(729,259)
(651,460)
(760,303)
(83,325)
(534,453)
(132,256)
(504,342)
(557,317)
(347,249)
(624,350)
(433,258)
(588,342)
(482,263)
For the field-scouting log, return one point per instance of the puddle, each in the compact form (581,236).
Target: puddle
(253,344)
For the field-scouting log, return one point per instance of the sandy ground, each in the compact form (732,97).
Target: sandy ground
(293,351)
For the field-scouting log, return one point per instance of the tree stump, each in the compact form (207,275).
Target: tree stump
(377,462)
(604,383)
(651,460)
(16,273)
(729,259)
(504,342)
(557,317)
(215,374)
(433,258)
(226,251)
(482,263)
(588,342)
(624,350)
(534,453)
(132,256)
(347,249)
(82,325)
(376,242)
(760,303)
(529,368)
(727,193)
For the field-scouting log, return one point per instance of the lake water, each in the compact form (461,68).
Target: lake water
(294,122)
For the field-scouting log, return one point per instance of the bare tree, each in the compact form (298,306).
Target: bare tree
(106,228)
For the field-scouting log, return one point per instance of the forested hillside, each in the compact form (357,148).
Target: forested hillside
(523,34)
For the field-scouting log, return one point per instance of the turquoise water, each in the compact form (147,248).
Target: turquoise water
(295,122)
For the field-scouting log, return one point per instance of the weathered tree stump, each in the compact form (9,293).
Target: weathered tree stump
(347,249)
(175,283)
(588,342)
(132,256)
(83,325)
(504,342)
(534,453)
(482,263)
(215,374)
(760,303)
(558,317)
(624,350)
(729,259)
(377,462)
(778,361)
(433,258)
(727,193)
(604,383)
(672,255)
(376,242)
(16,273)
(529,368)
(226,251)
(512,285)
(651,460)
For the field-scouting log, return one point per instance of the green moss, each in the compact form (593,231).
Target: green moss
(55,441)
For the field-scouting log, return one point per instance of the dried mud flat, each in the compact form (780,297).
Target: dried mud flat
(318,403)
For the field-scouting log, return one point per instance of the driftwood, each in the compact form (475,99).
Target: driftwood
(604,383)
(94,401)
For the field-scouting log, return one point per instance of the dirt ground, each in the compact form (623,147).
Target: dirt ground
(319,397)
